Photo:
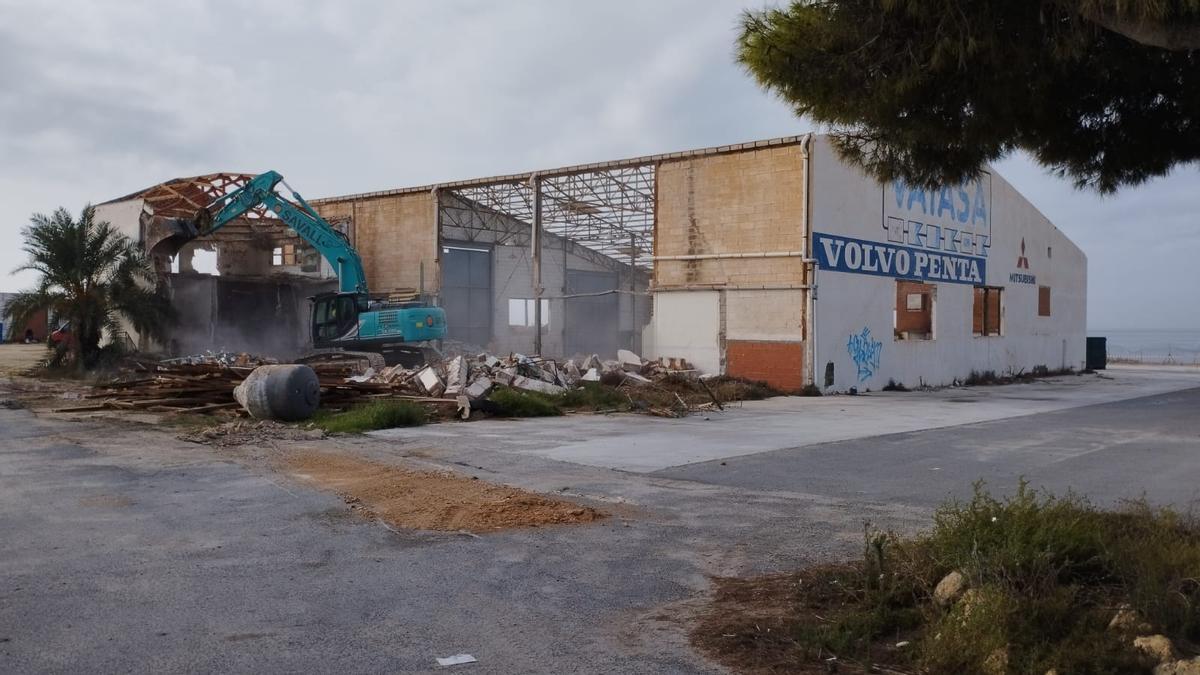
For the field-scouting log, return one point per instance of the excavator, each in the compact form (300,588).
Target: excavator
(349,322)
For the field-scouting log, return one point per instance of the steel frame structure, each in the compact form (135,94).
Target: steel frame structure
(609,211)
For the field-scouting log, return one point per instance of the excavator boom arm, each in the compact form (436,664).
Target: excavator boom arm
(304,220)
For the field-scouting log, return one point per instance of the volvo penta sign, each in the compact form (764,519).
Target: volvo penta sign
(858,256)
(937,235)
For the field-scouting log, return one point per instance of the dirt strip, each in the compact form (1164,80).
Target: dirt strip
(433,500)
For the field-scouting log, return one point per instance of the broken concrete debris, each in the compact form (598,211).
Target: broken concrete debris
(456,376)
(629,360)
(207,383)
(456,660)
(479,387)
(430,381)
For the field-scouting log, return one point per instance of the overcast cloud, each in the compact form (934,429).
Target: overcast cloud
(100,99)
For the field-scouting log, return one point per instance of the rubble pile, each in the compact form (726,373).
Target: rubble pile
(475,376)
(205,383)
(211,358)
(199,386)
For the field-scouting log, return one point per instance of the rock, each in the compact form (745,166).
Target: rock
(950,589)
(629,360)
(570,373)
(430,381)
(592,361)
(456,376)
(478,388)
(548,372)
(1128,620)
(1181,667)
(530,384)
(611,367)
(1157,646)
(635,379)
(592,375)
(506,375)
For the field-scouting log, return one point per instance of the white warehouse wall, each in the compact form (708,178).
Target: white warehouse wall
(847,204)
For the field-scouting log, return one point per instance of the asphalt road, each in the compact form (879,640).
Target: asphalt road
(125,550)
(1143,447)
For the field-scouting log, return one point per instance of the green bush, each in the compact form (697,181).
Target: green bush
(513,403)
(372,416)
(1045,576)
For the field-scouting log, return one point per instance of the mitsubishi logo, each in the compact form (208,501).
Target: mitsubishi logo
(1022,261)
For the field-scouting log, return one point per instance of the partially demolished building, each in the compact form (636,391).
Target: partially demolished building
(770,260)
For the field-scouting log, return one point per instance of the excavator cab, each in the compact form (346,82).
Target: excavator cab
(335,318)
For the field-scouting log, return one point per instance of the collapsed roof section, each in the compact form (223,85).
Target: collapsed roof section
(257,243)
(183,197)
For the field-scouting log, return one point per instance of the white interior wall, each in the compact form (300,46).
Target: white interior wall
(125,216)
(686,324)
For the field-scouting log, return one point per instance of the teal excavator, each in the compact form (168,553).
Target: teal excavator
(347,322)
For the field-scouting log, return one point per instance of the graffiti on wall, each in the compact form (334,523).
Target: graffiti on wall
(866,353)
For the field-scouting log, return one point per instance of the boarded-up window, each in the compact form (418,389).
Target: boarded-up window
(986,316)
(914,310)
(1043,301)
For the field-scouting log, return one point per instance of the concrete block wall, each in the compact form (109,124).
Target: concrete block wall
(753,334)
(749,201)
(744,202)
(395,235)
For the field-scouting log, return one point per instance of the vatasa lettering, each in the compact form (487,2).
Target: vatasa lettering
(858,256)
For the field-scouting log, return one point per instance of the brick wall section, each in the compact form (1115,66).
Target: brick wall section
(743,202)
(393,235)
(915,321)
(779,364)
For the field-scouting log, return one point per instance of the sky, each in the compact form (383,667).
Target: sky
(99,99)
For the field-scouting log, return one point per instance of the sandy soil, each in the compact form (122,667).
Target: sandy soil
(18,358)
(433,501)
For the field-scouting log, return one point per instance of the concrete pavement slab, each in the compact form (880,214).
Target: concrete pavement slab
(645,444)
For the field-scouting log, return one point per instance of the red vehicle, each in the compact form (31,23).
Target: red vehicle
(61,336)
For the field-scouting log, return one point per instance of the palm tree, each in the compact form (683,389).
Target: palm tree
(92,276)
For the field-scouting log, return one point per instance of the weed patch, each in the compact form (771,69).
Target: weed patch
(593,396)
(1044,578)
(372,416)
(513,403)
